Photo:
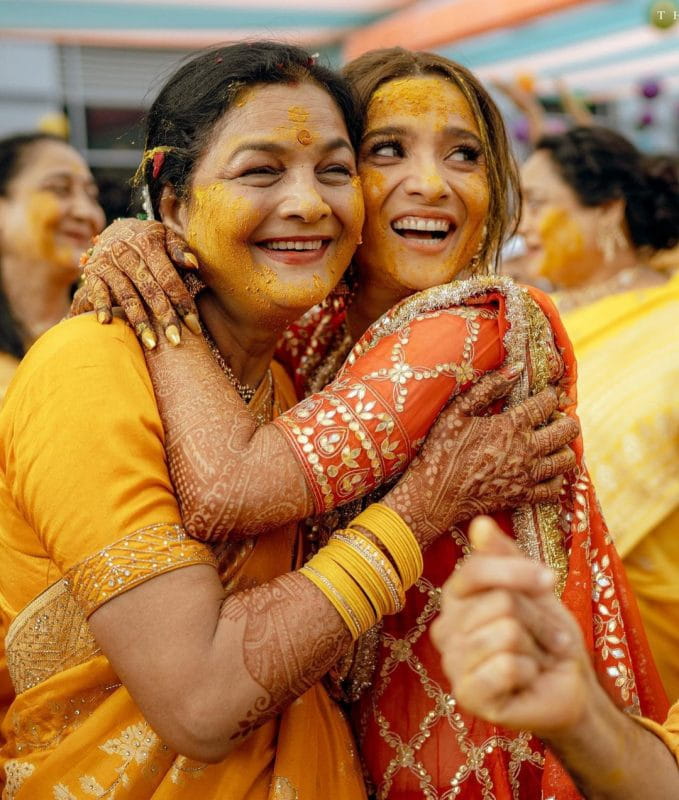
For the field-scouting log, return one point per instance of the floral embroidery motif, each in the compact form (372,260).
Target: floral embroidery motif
(16,772)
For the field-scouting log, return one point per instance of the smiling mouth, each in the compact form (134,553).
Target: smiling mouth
(293,244)
(423,229)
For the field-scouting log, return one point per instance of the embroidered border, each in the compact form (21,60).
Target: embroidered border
(51,633)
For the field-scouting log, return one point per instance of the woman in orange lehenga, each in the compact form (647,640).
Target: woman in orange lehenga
(435,168)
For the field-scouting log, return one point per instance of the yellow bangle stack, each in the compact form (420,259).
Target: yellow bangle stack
(398,540)
(358,578)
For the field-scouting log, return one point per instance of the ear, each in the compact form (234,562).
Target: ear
(613,214)
(173,211)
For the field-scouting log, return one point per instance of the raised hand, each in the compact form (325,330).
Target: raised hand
(513,652)
(473,464)
(133,263)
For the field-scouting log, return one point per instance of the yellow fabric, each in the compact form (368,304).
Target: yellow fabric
(668,731)
(628,384)
(8,366)
(82,468)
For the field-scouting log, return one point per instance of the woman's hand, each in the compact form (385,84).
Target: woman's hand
(472,464)
(133,264)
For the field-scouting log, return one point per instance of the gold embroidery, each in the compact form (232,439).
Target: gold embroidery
(16,772)
(51,633)
(48,636)
(283,789)
(131,561)
(184,766)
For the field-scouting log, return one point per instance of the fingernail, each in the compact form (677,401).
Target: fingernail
(102,317)
(515,369)
(149,339)
(190,259)
(193,324)
(561,639)
(172,333)
(546,579)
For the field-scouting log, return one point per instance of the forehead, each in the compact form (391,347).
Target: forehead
(270,110)
(540,172)
(44,159)
(420,97)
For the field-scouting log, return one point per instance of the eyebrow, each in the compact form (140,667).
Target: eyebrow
(267,146)
(395,130)
(67,176)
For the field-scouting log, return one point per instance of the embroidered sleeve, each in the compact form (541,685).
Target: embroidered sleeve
(130,561)
(366,426)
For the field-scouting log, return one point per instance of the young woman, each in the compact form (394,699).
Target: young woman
(437,178)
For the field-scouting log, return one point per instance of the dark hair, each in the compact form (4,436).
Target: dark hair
(183,116)
(369,71)
(14,151)
(600,165)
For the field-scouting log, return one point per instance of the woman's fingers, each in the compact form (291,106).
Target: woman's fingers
(536,410)
(554,436)
(549,467)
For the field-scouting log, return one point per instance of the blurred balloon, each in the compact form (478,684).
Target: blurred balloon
(650,89)
(521,130)
(663,14)
(526,81)
(645,120)
(56,124)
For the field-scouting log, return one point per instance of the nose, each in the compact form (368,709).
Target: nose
(303,198)
(86,209)
(427,181)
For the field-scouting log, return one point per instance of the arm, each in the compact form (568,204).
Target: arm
(528,104)
(517,659)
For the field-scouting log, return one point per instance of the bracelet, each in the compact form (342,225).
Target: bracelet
(341,590)
(400,542)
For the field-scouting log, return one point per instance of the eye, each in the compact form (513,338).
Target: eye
(389,149)
(263,170)
(59,189)
(466,153)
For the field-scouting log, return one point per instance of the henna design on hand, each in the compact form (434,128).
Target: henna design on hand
(292,637)
(474,464)
(231,478)
(130,266)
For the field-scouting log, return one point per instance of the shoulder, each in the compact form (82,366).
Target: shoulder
(82,343)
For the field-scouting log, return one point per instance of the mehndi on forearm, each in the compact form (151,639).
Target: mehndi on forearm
(231,478)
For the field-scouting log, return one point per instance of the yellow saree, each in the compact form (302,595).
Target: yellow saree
(88,512)
(628,377)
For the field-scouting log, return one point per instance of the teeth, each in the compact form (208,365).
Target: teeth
(422,224)
(315,244)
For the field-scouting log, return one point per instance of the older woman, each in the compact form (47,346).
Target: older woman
(598,218)
(436,199)
(147,665)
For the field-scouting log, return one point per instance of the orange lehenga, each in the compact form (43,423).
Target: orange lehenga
(88,512)
(415,741)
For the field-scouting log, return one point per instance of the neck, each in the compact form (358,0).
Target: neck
(625,259)
(369,303)
(38,298)
(247,346)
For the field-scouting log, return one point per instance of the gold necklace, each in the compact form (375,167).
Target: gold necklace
(246,391)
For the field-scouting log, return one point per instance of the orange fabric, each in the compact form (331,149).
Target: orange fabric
(82,469)
(414,741)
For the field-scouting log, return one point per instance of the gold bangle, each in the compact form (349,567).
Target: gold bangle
(380,578)
(400,542)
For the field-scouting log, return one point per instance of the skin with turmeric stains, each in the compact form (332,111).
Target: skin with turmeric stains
(255,190)
(421,156)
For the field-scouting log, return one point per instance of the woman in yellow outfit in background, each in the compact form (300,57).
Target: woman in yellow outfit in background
(598,218)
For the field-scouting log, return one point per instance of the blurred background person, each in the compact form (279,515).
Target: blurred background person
(49,213)
(597,217)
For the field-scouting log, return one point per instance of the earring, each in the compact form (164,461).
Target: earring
(610,241)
